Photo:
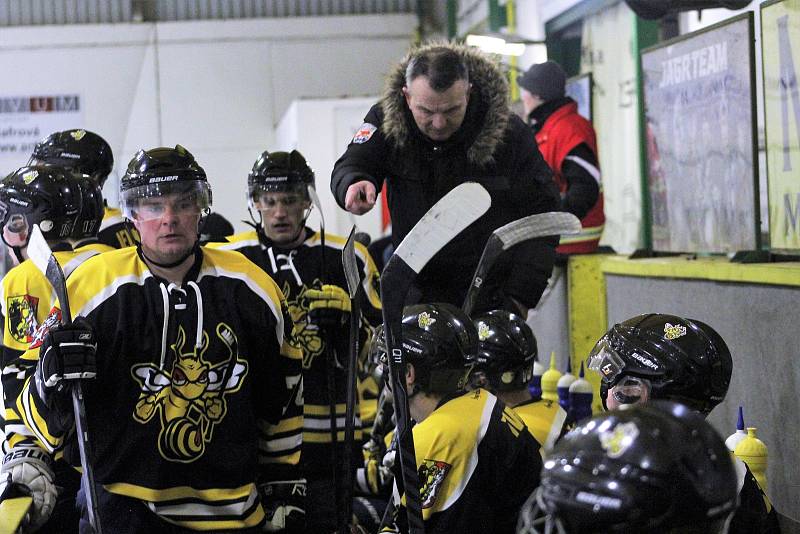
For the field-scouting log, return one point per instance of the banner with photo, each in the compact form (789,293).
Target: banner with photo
(699,99)
(780,41)
(26,119)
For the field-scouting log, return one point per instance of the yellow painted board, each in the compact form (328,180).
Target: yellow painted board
(718,269)
(586,297)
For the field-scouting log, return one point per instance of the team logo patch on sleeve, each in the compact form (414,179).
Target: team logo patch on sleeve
(364,133)
(22,317)
(431,474)
(53,319)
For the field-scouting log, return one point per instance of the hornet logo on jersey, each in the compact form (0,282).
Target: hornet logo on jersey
(305,336)
(431,475)
(190,399)
(22,317)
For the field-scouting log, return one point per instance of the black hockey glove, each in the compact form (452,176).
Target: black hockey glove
(284,505)
(328,307)
(67,353)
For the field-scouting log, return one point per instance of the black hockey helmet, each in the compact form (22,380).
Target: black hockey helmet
(658,467)
(278,171)
(163,171)
(441,342)
(92,209)
(683,360)
(46,195)
(81,150)
(506,350)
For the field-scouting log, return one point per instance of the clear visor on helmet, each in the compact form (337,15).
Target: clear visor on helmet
(605,360)
(154,201)
(630,390)
(267,197)
(16,230)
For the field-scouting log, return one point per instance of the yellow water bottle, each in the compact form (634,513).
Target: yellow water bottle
(753,452)
(550,380)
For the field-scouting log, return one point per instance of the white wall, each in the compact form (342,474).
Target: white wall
(321,129)
(217,87)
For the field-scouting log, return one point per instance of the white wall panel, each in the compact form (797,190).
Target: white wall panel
(218,87)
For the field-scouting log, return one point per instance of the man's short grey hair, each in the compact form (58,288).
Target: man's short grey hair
(442,65)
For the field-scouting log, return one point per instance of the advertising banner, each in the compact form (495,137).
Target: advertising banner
(26,119)
(780,41)
(701,142)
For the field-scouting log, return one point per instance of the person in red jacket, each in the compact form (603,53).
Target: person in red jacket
(567,142)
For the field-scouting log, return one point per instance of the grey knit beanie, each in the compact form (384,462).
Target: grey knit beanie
(545,80)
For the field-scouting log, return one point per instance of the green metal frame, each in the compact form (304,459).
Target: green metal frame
(646,35)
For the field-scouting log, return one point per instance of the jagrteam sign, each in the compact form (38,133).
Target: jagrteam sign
(699,110)
(780,41)
(25,120)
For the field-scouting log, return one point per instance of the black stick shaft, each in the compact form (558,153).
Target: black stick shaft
(57,279)
(397,278)
(350,423)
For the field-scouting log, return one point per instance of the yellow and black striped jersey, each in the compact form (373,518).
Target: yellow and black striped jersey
(115,232)
(477,464)
(545,419)
(296,271)
(192,381)
(26,298)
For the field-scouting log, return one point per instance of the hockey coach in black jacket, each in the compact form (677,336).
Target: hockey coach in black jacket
(443,120)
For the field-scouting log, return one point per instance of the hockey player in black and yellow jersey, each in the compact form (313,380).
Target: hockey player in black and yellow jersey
(506,352)
(195,382)
(27,298)
(658,356)
(87,153)
(50,197)
(477,462)
(307,266)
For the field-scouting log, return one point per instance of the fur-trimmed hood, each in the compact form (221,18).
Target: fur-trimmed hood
(489,92)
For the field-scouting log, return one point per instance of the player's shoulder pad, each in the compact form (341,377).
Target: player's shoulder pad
(99,277)
(233,264)
(248,238)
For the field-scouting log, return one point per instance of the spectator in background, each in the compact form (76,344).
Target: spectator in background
(567,142)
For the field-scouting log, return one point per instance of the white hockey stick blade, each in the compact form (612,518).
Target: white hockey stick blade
(350,265)
(455,211)
(38,250)
(312,194)
(538,225)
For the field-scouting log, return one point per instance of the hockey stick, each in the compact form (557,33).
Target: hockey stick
(505,237)
(353,278)
(40,254)
(13,511)
(446,219)
(330,362)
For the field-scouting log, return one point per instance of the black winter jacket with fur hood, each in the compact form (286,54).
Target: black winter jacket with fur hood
(494,148)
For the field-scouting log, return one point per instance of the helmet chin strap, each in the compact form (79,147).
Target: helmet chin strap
(183,258)
(18,253)
(175,263)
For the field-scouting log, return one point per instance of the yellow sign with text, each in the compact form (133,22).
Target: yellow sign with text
(780,39)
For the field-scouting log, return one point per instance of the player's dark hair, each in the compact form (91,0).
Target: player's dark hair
(441,65)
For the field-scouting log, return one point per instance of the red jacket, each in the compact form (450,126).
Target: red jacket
(561,132)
